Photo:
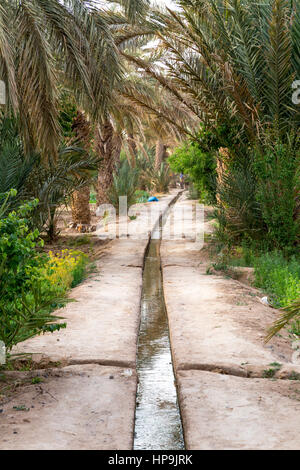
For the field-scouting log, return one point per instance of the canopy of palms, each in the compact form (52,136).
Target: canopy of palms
(44,44)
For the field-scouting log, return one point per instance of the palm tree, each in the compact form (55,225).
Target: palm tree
(236,61)
(160,154)
(232,65)
(44,43)
(80,201)
(52,185)
(136,102)
(108,147)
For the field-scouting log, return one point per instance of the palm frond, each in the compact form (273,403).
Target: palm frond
(36,80)
(7,66)
(279,72)
(289,313)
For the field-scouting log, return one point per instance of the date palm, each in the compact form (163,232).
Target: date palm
(138,105)
(45,42)
(232,61)
(80,200)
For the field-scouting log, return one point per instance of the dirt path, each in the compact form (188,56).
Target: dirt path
(89,402)
(234,392)
(217,327)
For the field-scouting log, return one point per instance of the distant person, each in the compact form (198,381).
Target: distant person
(181,178)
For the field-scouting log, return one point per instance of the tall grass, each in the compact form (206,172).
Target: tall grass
(279,277)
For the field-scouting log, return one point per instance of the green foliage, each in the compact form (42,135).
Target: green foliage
(239,212)
(141,196)
(244,255)
(24,302)
(236,63)
(279,277)
(93,197)
(276,171)
(125,183)
(258,198)
(51,184)
(32,285)
(17,250)
(67,113)
(197,159)
(159,179)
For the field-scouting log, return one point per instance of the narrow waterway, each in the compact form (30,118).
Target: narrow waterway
(158,422)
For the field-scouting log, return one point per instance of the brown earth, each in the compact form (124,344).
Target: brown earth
(217,330)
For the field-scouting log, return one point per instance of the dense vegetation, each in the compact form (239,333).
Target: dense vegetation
(89,106)
(33,285)
(239,67)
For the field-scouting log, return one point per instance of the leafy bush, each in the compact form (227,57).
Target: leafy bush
(24,302)
(279,277)
(32,285)
(277,191)
(200,165)
(197,160)
(258,198)
(141,196)
(66,269)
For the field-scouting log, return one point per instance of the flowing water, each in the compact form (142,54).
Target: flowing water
(158,422)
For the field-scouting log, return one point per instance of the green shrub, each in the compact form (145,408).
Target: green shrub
(141,196)
(32,285)
(239,213)
(277,188)
(197,159)
(125,183)
(279,277)
(25,304)
(199,166)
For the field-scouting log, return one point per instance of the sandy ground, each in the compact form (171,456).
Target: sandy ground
(234,391)
(228,412)
(77,407)
(87,403)
(218,324)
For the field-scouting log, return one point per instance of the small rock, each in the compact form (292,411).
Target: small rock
(264,300)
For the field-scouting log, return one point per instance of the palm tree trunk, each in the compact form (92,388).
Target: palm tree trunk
(109,145)
(160,154)
(81,213)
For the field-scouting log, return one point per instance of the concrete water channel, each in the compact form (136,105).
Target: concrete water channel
(158,421)
(89,399)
